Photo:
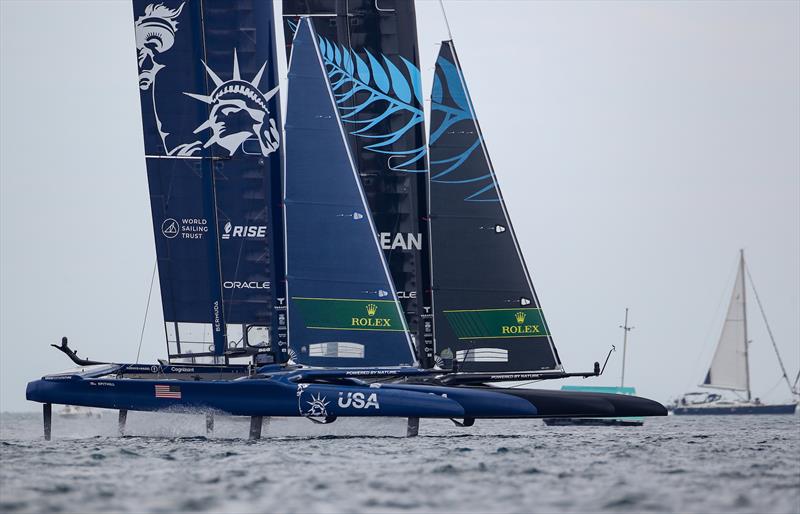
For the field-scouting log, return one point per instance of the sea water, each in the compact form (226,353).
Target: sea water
(167,463)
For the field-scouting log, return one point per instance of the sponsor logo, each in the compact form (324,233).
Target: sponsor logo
(244,231)
(369,372)
(182,370)
(517,376)
(217,322)
(401,241)
(348,314)
(488,323)
(406,295)
(370,320)
(138,367)
(520,327)
(170,228)
(185,228)
(254,284)
(358,400)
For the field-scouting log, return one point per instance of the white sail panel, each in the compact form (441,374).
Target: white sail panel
(729,367)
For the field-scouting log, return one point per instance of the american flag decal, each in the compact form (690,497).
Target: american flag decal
(168,391)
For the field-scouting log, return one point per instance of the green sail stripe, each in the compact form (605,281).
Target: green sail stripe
(349,314)
(497,323)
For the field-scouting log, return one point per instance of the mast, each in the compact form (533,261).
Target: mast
(744,311)
(625,329)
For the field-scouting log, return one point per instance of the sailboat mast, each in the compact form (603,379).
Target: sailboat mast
(744,311)
(625,329)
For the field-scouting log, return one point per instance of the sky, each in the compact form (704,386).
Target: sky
(639,146)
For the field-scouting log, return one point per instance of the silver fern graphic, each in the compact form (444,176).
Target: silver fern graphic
(362,81)
(452,107)
(376,87)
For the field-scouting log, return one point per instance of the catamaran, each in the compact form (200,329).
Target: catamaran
(730,367)
(335,265)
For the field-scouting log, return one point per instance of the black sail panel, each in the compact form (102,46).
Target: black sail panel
(369,48)
(488,317)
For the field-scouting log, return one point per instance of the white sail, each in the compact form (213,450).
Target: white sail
(729,367)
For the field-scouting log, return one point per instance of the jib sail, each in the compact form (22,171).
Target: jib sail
(208,85)
(343,308)
(488,317)
(370,52)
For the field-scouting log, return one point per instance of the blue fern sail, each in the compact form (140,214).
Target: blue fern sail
(371,56)
(208,86)
(343,308)
(488,317)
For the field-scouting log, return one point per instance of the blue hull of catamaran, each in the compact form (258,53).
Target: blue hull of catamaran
(282,397)
(244,397)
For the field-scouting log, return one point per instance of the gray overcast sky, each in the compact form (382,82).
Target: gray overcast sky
(639,145)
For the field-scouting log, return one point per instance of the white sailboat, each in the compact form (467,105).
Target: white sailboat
(730,367)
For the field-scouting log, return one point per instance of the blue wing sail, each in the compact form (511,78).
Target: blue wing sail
(208,87)
(343,307)
(370,53)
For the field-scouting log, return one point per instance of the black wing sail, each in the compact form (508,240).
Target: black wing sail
(488,318)
(370,51)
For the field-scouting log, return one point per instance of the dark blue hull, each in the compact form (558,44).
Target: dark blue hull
(297,394)
(788,408)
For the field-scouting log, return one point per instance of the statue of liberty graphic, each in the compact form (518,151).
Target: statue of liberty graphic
(155,34)
(239,110)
